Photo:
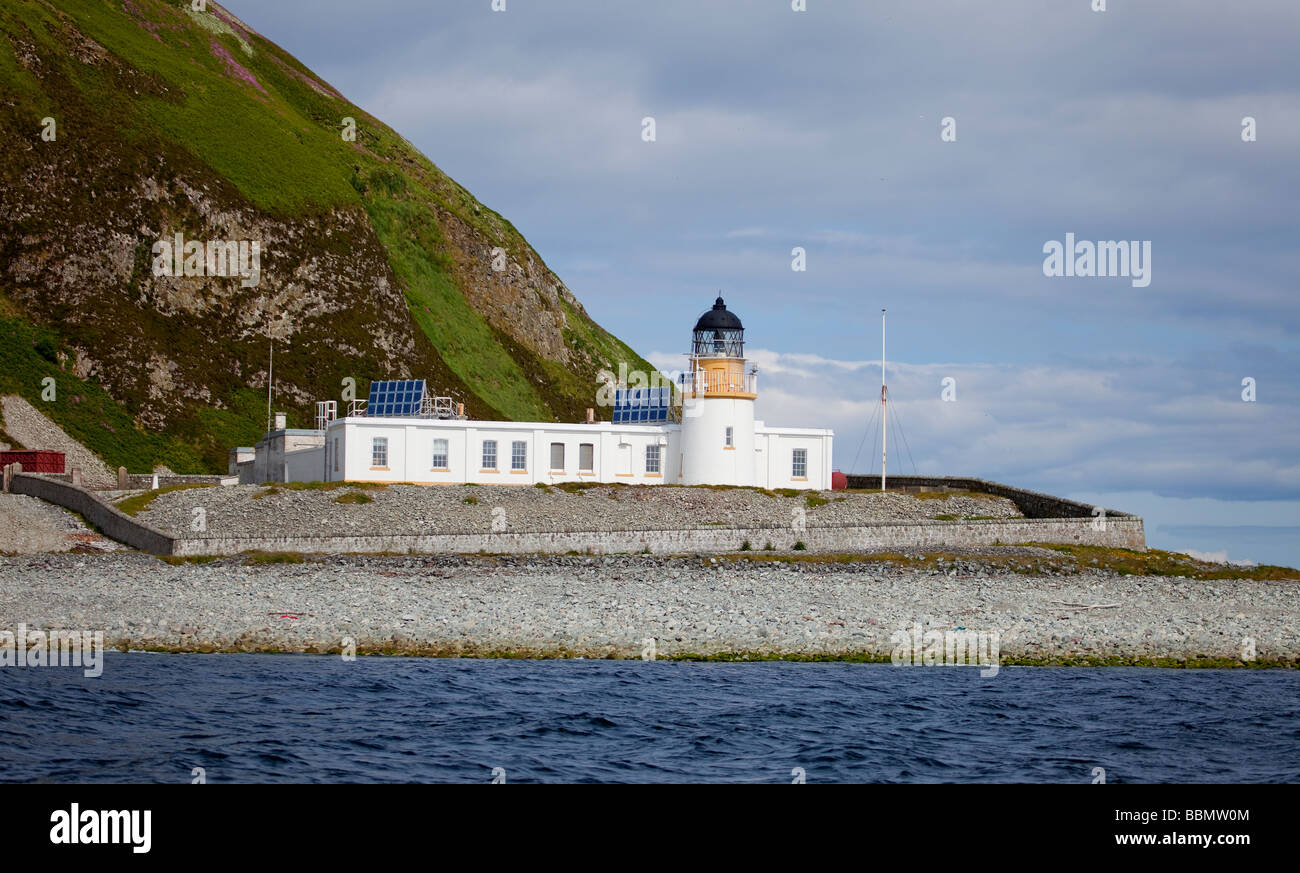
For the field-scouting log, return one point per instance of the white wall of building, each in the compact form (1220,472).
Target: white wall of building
(617,452)
(705,456)
(760,455)
(774,452)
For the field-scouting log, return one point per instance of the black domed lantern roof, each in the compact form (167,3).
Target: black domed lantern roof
(719,333)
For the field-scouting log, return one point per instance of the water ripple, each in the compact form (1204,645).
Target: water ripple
(254,718)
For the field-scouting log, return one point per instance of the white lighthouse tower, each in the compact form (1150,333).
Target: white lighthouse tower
(718,392)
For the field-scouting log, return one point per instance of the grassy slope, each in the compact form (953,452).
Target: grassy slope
(278,143)
(82,408)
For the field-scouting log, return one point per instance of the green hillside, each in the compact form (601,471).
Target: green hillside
(375,263)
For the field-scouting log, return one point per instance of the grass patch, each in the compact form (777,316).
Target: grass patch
(255,558)
(180,560)
(354,497)
(472,500)
(138,503)
(29,354)
(579,487)
(944,495)
(463,337)
(1156,562)
(1071,560)
(814,500)
(330,486)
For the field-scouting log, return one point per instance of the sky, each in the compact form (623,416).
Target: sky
(823,130)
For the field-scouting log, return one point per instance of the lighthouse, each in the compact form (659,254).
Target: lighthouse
(718,392)
(401,434)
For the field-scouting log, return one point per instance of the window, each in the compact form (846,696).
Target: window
(379,452)
(730,441)
(587,458)
(489,454)
(519,455)
(440,454)
(557,456)
(336,454)
(652,459)
(799,469)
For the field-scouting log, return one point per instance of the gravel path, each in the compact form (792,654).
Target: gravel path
(29,525)
(610,606)
(415,509)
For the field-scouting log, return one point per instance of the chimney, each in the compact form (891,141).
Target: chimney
(460,409)
(281,420)
(591,415)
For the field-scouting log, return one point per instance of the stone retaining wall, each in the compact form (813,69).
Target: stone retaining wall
(1116,530)
(1032,504)
(111,521)
(144,481)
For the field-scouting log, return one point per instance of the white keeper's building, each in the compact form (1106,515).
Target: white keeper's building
(709,437)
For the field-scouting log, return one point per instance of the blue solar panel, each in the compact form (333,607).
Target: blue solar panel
(395,397)
(642,405)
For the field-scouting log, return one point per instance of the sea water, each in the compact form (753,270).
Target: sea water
(307,718)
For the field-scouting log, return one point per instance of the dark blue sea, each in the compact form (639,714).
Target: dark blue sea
(297,718)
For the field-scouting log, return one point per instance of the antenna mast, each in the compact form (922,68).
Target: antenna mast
(884,413)
(270,381)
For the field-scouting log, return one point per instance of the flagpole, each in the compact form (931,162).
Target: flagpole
(884,411)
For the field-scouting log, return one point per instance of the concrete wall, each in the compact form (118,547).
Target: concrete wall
(239,456)
(305,465)
(106,517)
(271,454)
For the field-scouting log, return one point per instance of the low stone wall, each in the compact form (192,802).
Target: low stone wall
(144,481)
(1033,504)
(108,518)
(1114,532)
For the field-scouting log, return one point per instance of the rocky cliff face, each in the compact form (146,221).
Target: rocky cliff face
(125,124)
